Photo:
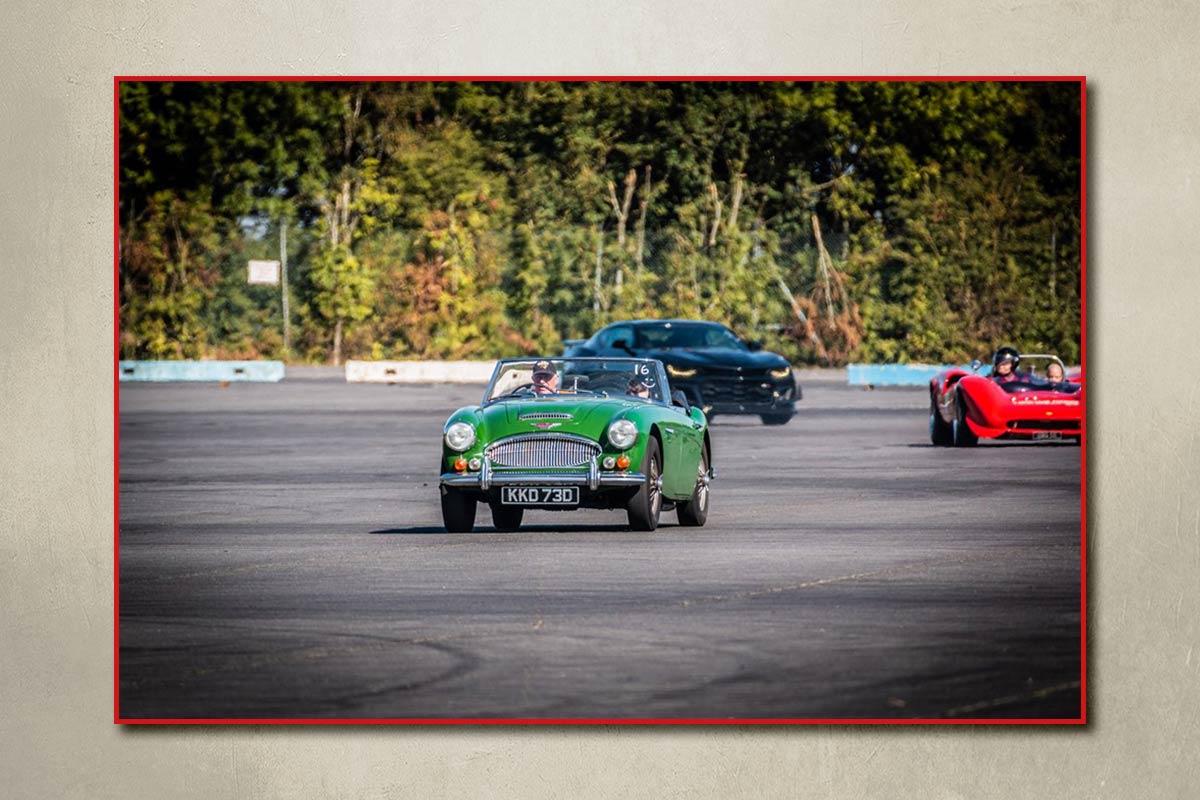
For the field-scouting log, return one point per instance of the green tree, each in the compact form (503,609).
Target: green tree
(438,219)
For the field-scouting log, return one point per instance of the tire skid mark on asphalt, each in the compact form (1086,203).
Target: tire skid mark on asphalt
(217,571)
(463,662)
(1012,699)
(251,627)
(816,583)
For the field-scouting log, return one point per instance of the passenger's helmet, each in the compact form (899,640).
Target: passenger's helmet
(1006,354)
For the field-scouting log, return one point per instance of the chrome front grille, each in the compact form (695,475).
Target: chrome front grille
(542,451)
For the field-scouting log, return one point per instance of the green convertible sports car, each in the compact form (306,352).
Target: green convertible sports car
(571,433)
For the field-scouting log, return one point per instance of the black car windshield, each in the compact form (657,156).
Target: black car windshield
(687,335)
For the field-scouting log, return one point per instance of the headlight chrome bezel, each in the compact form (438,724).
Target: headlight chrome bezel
(459,436)
(622,434)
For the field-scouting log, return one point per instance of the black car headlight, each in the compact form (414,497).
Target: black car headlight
(679,372)
(781,373)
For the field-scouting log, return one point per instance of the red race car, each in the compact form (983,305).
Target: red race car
(965,406)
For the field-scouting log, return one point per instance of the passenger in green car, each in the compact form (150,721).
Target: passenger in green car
(638,387)
(545,378)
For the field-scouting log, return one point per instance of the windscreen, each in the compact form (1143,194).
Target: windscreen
(1040,373)
(580,377)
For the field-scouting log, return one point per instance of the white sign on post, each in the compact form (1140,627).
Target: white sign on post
(264,272)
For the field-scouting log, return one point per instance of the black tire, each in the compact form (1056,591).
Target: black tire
(645,507)
(941,433)
(962,435)
(458,510)
(775,419)
(507,518)
(693,513)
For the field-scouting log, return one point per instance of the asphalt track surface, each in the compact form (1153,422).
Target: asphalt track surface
(282,555)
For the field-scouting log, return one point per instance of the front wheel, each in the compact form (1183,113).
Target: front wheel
(507,518)
(693,513)
(458,510)
(941,433)
(962,434)
(645,506)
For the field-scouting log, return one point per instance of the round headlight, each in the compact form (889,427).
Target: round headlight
(622,434)
(460,436)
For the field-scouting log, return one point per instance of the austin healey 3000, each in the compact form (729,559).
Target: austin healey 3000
(562,434)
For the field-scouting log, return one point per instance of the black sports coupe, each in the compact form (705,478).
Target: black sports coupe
(717,370)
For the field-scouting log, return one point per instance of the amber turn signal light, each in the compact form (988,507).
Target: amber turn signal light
(622,462)
(460,463)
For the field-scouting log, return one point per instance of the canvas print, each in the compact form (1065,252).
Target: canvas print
(589,400)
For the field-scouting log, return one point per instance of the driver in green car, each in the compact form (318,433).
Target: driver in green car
(545,378)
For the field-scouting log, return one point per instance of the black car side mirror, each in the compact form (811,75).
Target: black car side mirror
(678,398)
(975,365)
(621,344)
(755,345)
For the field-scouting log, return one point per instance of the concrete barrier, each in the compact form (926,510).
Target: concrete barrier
(215,371)
(891,374)
(419,371)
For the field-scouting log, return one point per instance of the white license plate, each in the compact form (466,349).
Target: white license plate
(1047,436)
(539,495)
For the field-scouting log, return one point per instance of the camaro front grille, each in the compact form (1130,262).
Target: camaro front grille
(542,451)
(736,391)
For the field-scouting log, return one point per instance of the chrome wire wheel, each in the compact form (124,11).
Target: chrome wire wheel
(693,512)
(702,483)
(646,504)
(656,483)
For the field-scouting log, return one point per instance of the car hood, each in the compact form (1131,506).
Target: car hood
(718,358)
(588,416)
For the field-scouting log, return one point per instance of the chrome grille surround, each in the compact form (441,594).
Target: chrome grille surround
(542,450)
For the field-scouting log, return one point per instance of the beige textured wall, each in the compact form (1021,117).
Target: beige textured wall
(56,488)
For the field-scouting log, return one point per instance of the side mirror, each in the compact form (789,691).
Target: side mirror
(678,398)
(976,364)
(755,345)
(621,344)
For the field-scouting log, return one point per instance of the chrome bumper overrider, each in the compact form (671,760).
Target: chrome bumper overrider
(593,479)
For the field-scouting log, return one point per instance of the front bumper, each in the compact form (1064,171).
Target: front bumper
(594,478)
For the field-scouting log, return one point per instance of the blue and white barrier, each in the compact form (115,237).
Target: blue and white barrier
(419,371)
(891,374)
(214,371)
